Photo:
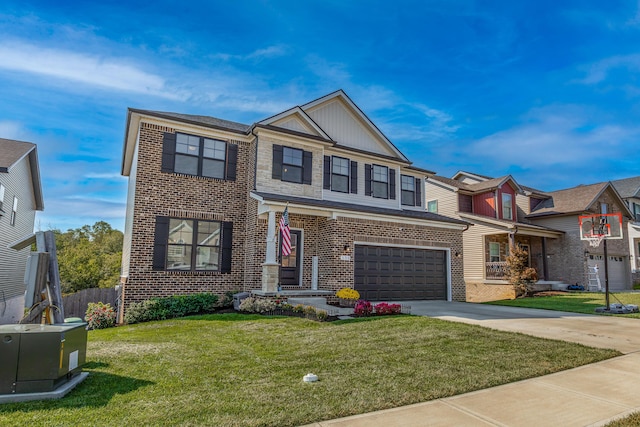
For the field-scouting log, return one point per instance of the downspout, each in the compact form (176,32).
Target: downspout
(255,161)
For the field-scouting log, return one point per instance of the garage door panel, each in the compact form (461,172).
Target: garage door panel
(391,273)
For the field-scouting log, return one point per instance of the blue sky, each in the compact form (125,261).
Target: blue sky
(546,91)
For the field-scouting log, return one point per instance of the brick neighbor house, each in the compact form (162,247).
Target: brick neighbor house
(504,213)
(20,198)
(206,195)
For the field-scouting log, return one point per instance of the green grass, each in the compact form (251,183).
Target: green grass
(239,370)
(578,302)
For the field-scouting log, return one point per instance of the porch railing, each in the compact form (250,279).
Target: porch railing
(496,270)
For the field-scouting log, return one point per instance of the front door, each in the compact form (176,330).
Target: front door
(290,264)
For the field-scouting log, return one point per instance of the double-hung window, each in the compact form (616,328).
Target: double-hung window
(185,244)
(340,174)
(292,164)
(380,182)
(408,190)
(494,252)
(507,207)
(1,197)
(14,211)
(199,156)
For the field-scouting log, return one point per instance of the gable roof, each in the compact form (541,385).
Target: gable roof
(207,121)
(11,153)
(628,187)
(478,187)
(575,200)
(311,114)
(475,176)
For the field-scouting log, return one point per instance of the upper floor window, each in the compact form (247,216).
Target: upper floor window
(292,164)
(14,211)
(507,206)
(199,156)
(604,208)
(410,190)
(636,212)
(432,206)
(1,196)
(340,174)
(407,190)
(380,182)
(192,245)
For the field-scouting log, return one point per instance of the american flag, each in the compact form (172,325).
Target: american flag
(285,232)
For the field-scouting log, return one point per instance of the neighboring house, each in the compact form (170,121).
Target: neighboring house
(206,195)
(497,208)
(544,223)
(629,190)
(20,198)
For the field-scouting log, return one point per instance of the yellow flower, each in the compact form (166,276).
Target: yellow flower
(348,293)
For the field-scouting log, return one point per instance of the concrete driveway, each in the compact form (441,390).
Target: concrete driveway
(615,332)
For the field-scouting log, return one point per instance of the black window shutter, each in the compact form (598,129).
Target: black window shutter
(232,161)
(418,192)
(367,179)
(168,152)
(227,242)
(326,182)
(160,243)
(307,167)
(276,172)
(392,184)
(354,177)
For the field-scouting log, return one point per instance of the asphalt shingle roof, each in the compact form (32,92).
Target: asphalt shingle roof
(570,200)
(11,151)
(629,187)
(197,119)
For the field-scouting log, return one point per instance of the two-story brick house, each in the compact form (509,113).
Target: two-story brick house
(205,197)
(546,224)
(20,198)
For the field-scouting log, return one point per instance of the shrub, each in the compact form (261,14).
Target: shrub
(298,308)
(100,316)
(385,309)
(363,308)
(321,315)
(257,305)
(348,293)
(170,307)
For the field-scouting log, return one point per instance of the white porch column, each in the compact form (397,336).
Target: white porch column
(270,268)
(271,239)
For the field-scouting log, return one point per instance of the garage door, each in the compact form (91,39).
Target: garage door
(393,274)
(617,271)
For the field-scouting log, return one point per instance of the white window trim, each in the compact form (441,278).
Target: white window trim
(507,206)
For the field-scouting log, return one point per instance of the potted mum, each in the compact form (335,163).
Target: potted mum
(347,297)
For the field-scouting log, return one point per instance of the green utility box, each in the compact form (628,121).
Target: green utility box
(40,358)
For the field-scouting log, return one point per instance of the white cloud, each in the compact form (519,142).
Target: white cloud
(11,130)
(556,136)
(599,71)
(91,69)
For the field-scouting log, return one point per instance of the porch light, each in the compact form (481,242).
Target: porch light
(346,248)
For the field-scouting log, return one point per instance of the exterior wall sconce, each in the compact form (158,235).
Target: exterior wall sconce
(346,249)
(457,254)
(586,253)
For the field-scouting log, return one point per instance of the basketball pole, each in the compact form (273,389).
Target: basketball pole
(606,275)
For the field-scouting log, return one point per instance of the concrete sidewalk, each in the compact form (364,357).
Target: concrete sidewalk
(590,395)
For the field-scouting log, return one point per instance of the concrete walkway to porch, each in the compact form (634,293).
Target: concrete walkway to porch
(590,395)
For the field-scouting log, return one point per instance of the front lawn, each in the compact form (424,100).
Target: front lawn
(241,370)
(576,302)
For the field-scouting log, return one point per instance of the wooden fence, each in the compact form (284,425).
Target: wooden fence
(75,305)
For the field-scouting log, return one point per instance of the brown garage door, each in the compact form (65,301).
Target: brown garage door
(393,274)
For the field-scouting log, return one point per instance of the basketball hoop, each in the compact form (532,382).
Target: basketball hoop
(594,240)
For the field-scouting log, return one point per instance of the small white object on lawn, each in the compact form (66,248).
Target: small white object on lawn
(310,378)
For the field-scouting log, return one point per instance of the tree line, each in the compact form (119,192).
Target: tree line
(89,257)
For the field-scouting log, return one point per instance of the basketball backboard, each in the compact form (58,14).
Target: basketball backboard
(600,226)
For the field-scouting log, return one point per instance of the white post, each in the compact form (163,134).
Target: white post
(271,239)
(314,273)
